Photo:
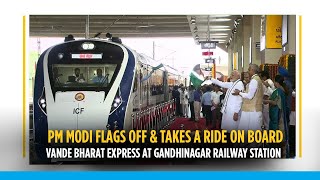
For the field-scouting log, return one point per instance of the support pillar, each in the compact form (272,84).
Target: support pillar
(290,47)
(255,39)
(247,33)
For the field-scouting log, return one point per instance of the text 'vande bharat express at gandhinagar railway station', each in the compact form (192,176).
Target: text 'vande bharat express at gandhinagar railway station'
(163,153)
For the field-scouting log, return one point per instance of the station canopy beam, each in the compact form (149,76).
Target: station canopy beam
(200,27)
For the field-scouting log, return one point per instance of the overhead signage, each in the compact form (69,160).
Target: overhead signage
(210,60)
(207,53)
(274,32)
(257,45)
(86,56)
(208,44)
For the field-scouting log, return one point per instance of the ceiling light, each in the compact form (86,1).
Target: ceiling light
(223,29)
(145,26)
(218,27)
(214,36)
(220,20)
(220,16)
(219,34)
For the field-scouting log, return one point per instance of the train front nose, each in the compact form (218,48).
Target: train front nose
(73,111)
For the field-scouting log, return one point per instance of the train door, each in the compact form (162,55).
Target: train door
(143,84)
(136,93)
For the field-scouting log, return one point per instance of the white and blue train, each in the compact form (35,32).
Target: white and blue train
(95,84)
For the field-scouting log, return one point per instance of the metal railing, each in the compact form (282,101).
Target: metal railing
(154,118)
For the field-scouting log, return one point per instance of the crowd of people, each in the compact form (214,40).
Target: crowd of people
(251,101)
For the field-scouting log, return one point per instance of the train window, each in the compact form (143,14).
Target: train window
(156,83)
(66,76)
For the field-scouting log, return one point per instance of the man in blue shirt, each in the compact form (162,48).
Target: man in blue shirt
(99,78)
(207,103)
(197,104)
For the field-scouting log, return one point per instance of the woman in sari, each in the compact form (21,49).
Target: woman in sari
(277,112)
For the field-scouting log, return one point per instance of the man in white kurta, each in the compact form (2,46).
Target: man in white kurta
(232,104)
(184,102)
(251,110)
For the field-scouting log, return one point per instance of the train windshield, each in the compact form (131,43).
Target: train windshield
(83,76)
(72,67)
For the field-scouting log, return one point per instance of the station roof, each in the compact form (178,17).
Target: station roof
(200,27)
(119,26)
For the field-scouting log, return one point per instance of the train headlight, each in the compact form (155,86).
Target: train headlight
(42,102)
(116,104)
(43,105)
(60,55)
(117,100)
(87,46)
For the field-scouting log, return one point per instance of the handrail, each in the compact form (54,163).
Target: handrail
(154,118)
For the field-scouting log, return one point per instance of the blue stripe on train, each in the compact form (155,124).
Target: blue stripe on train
(125,88)
(40,124)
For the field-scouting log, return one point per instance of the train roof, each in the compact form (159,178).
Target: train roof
(143,58)
(149,61)
(172,70)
